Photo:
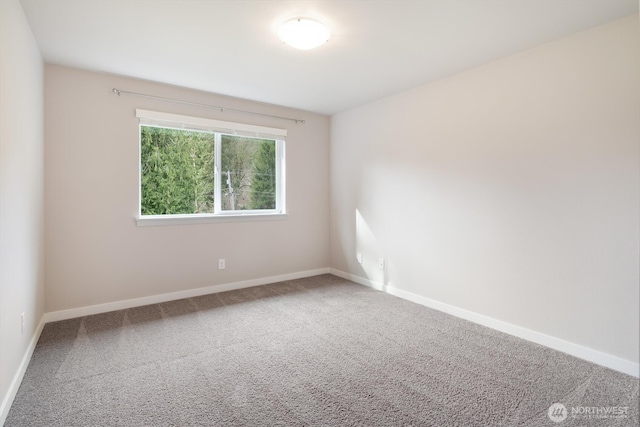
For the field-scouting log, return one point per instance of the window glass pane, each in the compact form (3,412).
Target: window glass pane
(177,168)
(248,173)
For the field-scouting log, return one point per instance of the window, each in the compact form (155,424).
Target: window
(201,170)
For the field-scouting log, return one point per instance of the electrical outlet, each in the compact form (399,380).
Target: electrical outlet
(359,257)
(381,263)
(22,324)
(221,264)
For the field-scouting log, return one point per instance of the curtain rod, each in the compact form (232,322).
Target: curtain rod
(222,109)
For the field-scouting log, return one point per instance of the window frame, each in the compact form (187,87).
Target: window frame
(218,128)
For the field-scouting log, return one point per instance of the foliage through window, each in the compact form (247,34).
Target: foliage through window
(177,171)
(249,173)
(193,171)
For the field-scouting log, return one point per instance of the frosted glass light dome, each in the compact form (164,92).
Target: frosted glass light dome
(303,33)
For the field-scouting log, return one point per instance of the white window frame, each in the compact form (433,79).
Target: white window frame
(218,128)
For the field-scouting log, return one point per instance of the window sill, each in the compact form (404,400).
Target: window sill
(163,220)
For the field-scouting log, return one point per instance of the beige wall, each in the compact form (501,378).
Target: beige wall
(96,253)
(510,190)
(21,191)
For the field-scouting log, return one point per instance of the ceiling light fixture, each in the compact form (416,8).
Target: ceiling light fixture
(303,33)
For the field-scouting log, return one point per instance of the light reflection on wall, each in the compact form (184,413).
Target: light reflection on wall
(370,248)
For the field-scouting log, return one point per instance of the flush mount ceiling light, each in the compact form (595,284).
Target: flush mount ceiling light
(303,33)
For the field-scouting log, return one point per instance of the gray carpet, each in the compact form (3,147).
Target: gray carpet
(320,351)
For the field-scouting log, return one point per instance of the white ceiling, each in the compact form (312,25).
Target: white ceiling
(230,47)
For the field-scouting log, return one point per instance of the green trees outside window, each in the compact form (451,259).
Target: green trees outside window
(248,173)
(178,172)
(263,181)
(177,168)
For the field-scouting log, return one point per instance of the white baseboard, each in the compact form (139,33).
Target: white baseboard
(17,378)
(154,299)
(585,353)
